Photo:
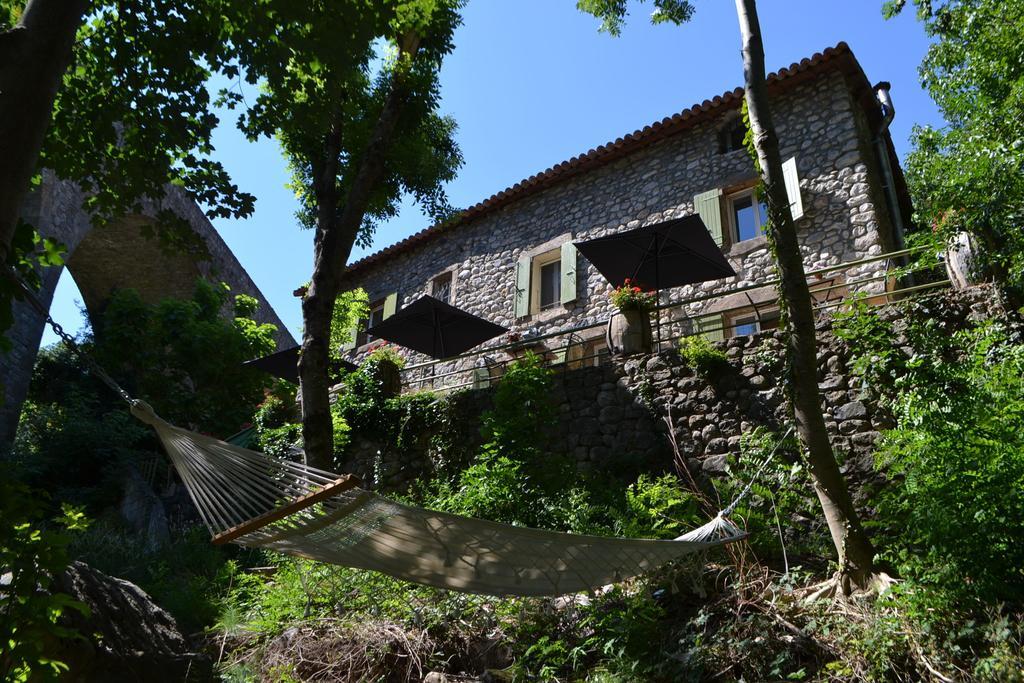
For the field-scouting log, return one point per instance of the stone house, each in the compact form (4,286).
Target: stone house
(510,258)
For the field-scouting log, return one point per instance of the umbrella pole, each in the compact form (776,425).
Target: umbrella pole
(657,296)
(439,336)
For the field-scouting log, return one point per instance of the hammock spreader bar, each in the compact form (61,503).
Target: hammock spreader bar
(344,483)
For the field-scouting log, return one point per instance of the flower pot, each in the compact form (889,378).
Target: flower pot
(629,332)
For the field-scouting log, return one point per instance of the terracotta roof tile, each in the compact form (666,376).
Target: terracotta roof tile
(838,57)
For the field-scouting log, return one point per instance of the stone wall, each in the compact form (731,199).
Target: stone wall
(613,417)
(819,124)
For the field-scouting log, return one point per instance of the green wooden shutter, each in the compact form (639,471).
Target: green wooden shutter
(710,326)
(390,305)
(789,174)
(568,272)
(709,206)
(522,293)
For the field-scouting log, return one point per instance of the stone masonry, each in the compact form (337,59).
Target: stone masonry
(612,417)
(116,256)
(826,121)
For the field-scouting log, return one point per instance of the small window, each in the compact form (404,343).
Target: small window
(376,317)
(596,353)
(744,328)
(748,215)
(550,284)
(730,138)
(746,325)
(441,287)
(546,281)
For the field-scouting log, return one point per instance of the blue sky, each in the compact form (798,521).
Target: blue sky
(532,83)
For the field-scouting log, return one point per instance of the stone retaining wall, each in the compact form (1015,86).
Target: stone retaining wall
(613,417)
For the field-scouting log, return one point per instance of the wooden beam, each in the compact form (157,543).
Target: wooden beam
(302,502)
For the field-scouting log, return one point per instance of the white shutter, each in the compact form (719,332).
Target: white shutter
(789,174)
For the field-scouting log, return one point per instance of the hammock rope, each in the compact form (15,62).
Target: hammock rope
(255,500)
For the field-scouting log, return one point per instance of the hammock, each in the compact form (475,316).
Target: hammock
(255,500)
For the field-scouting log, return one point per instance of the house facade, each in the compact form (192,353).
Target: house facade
(510,258)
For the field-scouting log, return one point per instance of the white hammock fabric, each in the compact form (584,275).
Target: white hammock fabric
(259,501)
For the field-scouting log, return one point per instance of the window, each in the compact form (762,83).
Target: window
(596,353)
(550,284)
(545,279)
(376,317)
(441,287)
(744,328)
(748,215)
(730,137)
(746,324)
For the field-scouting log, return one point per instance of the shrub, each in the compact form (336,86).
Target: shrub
(955,507)
(701,355)
(32,553)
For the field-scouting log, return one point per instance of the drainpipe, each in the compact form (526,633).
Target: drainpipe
(888,180)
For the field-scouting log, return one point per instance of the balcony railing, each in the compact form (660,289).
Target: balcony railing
(566,348)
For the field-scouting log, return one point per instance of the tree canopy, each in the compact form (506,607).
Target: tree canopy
(350,91)
(969,174)
(132,118)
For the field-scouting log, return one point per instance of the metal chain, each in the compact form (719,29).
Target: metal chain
(93,367)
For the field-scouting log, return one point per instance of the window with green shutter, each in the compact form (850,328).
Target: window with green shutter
(709,206)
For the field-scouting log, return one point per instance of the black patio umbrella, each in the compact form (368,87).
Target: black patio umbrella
(440,330)
(670,254)
(285,364)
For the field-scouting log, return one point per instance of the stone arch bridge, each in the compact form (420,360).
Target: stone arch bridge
(118,255)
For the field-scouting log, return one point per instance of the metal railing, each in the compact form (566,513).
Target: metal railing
(433,374)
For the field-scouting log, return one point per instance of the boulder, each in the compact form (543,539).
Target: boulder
(127,636)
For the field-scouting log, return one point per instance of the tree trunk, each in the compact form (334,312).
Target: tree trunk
(33,58)
(852,545)
(335,235)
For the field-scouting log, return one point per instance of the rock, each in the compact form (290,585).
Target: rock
(718,445)
(832,382)
(865,439)
(851,411)
(853,426)
(435,677)
(610,415)
(715,464)
(758,381)
(656,363)
(128,638)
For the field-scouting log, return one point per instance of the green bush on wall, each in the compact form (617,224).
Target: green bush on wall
(701,355)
